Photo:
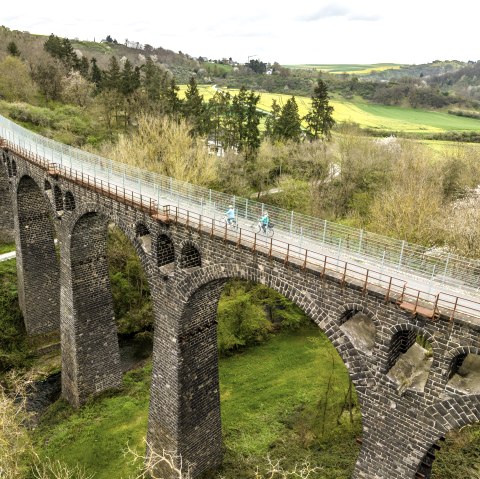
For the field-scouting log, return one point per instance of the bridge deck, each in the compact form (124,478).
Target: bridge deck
(413,293)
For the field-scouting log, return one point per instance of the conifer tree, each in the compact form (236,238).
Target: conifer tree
(289,125)
(112,76)
(152,80)
(13,50)
(170,103)
(96,74)
(194,108)
(272,120)
(319,118)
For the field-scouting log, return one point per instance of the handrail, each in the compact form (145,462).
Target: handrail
(436,266)
(365,278)
(291,254)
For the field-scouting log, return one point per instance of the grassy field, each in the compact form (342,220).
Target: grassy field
(357,69)
(374,117)
(272,399)
(6,248)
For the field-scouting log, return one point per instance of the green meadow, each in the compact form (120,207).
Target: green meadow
(358,69)
(273,402)
(374,117)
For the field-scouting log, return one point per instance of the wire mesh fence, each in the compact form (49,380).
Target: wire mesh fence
(361,246)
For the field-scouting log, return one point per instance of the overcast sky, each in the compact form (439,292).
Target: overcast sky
(294,32)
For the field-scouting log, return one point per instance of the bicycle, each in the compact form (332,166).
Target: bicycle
(258,228)
(232,224)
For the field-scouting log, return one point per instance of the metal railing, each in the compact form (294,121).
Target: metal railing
(394,289)
(359,245)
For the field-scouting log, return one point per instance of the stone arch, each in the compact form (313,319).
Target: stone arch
(443,417)
(143,236)
(37,263)
(190,256)
(69,201)
(57,199)
(6,206)
(360,325)
(464,360)
(320,314)
(47,186)
(14,167)
(88,207)
(194,306)
(165,250)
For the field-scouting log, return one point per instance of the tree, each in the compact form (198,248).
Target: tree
(288,126)
(218,106)
(84,67)
(96,74)
(76,89)
(48,76)
(319,118)
(15,81)
(164,145)
(170,103)
(112,76)
(194,108)
(272,120)
(152,80)
(13,50)
(129,79)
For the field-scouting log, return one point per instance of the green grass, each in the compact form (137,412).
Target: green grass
(375,117)
(7,248)
(272,403)
(354,68)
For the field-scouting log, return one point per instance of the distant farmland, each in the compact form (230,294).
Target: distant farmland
(367,115)
(357,69)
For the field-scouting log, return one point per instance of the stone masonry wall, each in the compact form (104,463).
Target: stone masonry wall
(6,205)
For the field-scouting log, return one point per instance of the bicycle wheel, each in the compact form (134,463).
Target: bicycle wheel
(256,228)
(270,232)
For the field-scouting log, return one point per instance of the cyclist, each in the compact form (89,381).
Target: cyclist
(265,221)
(230,215)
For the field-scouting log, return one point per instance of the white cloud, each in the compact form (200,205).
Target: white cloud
(347,32)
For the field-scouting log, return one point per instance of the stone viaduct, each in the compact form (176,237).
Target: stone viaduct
(67,288)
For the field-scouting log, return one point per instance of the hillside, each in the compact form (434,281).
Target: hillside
(30,47)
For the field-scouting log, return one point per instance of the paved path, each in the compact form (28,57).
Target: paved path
(7,256)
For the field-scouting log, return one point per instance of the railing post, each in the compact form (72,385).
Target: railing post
(305,259)
(446,267)
(288,252)
(401,255)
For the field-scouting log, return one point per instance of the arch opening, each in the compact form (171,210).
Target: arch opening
(464,374)
(37,263)
(6,206)
(143,236)
(190,257)
(409,360)
(165,253)
(58,199)
(69,201)
(14,168)
(298,370)
(360,328)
